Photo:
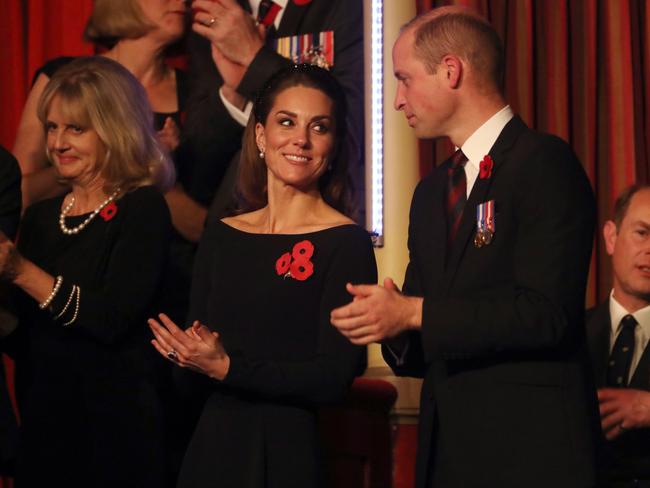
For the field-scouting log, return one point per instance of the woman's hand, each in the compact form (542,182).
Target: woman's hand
(196,348)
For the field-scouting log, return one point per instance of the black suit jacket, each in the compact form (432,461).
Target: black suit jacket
(505,400)
(628,456)
(212,137)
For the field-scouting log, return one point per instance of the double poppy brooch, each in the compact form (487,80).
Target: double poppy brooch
(297,263)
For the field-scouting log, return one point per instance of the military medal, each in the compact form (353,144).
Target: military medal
(485,224)
(315,48)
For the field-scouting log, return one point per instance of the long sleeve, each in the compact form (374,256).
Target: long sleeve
(111,306)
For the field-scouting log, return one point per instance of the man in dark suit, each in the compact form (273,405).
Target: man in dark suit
(492,314)
(618,331)
(230,60)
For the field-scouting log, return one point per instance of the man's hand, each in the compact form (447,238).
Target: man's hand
(231,74)
(622,409)
(376,313)
(233,31)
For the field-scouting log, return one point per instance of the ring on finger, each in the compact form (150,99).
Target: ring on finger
(211,22)
(172,355)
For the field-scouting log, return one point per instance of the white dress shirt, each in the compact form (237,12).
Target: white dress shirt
(478,145)
(641,332)
(241,116)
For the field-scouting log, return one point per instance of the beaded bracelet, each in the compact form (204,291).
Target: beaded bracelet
(76,309)
(55,290)
(67,304)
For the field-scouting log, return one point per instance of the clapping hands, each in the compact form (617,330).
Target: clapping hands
(196,347)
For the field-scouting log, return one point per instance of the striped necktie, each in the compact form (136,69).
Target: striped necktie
(267,12)
(456,193)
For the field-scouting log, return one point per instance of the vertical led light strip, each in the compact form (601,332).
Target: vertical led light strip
(377,122)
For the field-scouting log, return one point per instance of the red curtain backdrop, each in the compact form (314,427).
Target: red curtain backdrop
(579,69)
(31,32)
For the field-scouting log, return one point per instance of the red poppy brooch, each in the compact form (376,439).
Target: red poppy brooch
(109,211)
(297,264)
(485,168)
(302,2)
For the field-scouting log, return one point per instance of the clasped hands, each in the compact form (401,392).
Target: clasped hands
(377,313)
(196,347)
(623,409)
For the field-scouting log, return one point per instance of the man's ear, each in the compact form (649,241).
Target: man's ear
(453,69)
(610,233)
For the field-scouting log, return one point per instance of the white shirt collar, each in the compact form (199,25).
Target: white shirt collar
(482,140)
(255,6)
(617,312)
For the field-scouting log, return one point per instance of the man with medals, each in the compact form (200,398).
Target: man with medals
(491,317)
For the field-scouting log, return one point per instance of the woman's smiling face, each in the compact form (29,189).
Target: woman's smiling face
(298,137)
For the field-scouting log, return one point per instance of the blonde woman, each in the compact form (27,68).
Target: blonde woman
(136,34)
(88,264)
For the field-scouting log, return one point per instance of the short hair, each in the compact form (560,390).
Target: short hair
(460,31)
(112,20)
(334,185)
(99,93)
(622,203)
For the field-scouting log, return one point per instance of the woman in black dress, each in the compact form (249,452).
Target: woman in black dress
(89,266)
(265,282)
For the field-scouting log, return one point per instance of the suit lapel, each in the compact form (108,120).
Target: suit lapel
(437,232)
(641,377)
(478,195)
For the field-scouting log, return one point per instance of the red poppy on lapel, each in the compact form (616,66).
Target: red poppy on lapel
(300,3)
(109,211)
(485,167)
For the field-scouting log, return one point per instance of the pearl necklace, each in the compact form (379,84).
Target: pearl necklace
(68,207)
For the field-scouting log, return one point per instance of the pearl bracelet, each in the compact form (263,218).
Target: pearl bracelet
(76,309)
(55,290)
(67,304)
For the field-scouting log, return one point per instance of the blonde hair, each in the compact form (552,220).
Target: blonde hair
(101,94)
(112,20)
(460,31)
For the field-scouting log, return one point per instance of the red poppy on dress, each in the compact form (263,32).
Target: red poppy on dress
(303,250)
(301,269)
(282,264)
(302,2)
(485,167)
(109,211)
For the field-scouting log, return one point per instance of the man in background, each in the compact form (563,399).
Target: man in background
(618,332)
